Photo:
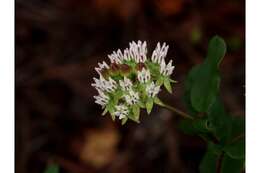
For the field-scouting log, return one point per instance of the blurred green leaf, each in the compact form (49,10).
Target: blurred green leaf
(210,159)
(236,150)
(238,127)
(52,168)
(110,108)
(219,121)
(149,105)
(205,89)
(167,85)
(136,113)
(158,101)
(124,120)
(216,51)
(208,164)
(202,83)
(230,165)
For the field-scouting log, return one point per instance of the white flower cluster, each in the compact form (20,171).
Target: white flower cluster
(105,85)
(124,87)
(132,97)
(121,111)
(144,75)
(152,90)
(126,84)
(136,51)
(159,55)
(101,99)
(102,66)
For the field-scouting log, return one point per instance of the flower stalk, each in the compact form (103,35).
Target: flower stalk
(177,111)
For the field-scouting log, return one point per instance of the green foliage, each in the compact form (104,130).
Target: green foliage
(203,80)
(219,121)
(223,133)
(210,159)
(136,113)
(236,150)
(230,165)
(167,85)
(149,105)
(52,168)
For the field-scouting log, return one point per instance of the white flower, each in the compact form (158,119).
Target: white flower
(101,99)
(132,97)
(102,66)
(125,84)
(144,75)
(105,85)
(121,111)
(138,51)
(152,90)
(166,69)
(159,53)
(116,57)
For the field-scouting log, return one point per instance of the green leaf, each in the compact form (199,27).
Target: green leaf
(159,81)
(167,85)
(124,120)
(158,101)
(216,51)
(236,150)
(238,127)
(110,108)
(173,81)
(149,105)
(141,104)
(202,83)
(208,164)
(154,69)
(136,113)
(219,121)
(210,159)
(205,90)
(230,165)
(52,168)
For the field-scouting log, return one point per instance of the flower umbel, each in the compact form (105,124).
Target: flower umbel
(132,80)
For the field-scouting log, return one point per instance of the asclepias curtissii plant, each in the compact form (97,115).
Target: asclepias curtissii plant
(132,81)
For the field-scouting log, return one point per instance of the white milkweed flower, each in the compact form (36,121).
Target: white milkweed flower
(132,97)
(138,51)
(152,90)
(126,84)
(121,111)
(101,67)
(132,80)
(101,99)
(105,85)
(166,69)
(116,57)
(159,53)
(143,75)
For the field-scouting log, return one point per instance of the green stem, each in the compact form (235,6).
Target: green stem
(177,111)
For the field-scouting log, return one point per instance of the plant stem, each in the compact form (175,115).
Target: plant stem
(177,111)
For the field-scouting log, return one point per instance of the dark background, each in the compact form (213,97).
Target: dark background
(58,44)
